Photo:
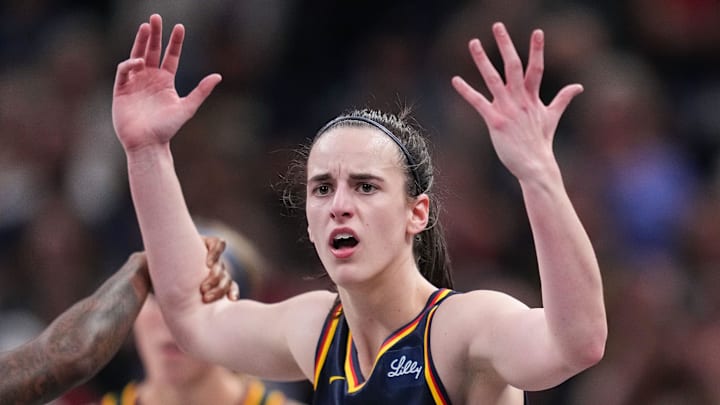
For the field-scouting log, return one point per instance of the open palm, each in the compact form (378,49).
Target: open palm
(521,126)
(147,109)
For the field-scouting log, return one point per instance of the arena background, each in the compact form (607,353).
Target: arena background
(639,150)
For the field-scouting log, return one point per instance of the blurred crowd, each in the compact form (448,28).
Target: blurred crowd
(639,150)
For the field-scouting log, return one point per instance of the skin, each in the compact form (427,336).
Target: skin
(487,346)
(175,377)
(81,341)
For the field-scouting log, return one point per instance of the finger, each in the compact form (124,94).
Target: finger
(153,49)
(201,92)
(472,96)
(123,71)
(511,60)
(234,293)
(210,297)
(563,98)
(222,287)
(213,277)
(492,78)
(216,247)
(174,48)
(536,63)
(141,39)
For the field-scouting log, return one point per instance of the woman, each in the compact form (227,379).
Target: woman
(174,377)
(371,219)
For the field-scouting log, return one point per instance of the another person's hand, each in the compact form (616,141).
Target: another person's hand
(521,126)
(147,109)
(218,282)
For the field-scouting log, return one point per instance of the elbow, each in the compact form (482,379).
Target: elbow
(592,354)
(190,332)
(591,351)
(187,335)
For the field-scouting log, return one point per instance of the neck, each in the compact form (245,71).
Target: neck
(217,385)
(376,310)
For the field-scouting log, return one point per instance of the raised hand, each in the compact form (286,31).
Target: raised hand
(521,126)
(147,109)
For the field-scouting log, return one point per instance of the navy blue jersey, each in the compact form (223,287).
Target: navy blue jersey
(403,372)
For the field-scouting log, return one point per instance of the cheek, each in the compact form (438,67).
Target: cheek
(313,218)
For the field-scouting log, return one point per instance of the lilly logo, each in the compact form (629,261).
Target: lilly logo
(402,366)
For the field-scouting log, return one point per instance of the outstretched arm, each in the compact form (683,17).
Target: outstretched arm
(84,338)
(538,348)
(147,113)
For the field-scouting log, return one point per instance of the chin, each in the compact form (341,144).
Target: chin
(184,375)
(348,275)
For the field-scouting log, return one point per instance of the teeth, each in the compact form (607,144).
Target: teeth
(343,236)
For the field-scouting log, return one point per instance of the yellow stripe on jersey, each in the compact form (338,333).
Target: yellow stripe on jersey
(352,369)
(429,376)
(128,396)
(275,398)
(254,392)
(326,339)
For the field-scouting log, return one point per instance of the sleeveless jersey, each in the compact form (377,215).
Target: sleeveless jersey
(403,372)
(256,394)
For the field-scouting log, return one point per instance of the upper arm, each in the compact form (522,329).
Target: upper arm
(501,335)
(275,341)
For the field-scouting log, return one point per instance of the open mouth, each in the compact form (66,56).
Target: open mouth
(343,240)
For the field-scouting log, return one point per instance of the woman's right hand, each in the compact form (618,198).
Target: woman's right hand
(147,109)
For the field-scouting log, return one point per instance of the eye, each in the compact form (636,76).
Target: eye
(322,189)
(366,188)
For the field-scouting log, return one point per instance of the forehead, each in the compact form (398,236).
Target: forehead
(354,148)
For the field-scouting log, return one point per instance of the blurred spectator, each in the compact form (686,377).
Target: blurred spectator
(647,179)
(171,376)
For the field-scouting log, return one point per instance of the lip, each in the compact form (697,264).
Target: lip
(345,252)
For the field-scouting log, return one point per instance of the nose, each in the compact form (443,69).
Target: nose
(342,205)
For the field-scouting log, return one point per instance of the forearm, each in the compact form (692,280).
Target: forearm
(78,343)
(570,276)
(174,248)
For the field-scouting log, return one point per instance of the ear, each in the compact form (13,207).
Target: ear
(419,214)
(310,236)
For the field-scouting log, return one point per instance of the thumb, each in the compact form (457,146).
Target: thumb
(563,98)
(198,95)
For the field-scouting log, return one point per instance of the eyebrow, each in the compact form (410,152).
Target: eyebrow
(323,177)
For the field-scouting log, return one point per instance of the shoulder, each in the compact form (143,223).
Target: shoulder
(483,304)
(313,305)
(304,317)
(472,316)
(315,297)
(464,333)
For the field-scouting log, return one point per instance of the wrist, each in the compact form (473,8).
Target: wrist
(546,177)
(148,157)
